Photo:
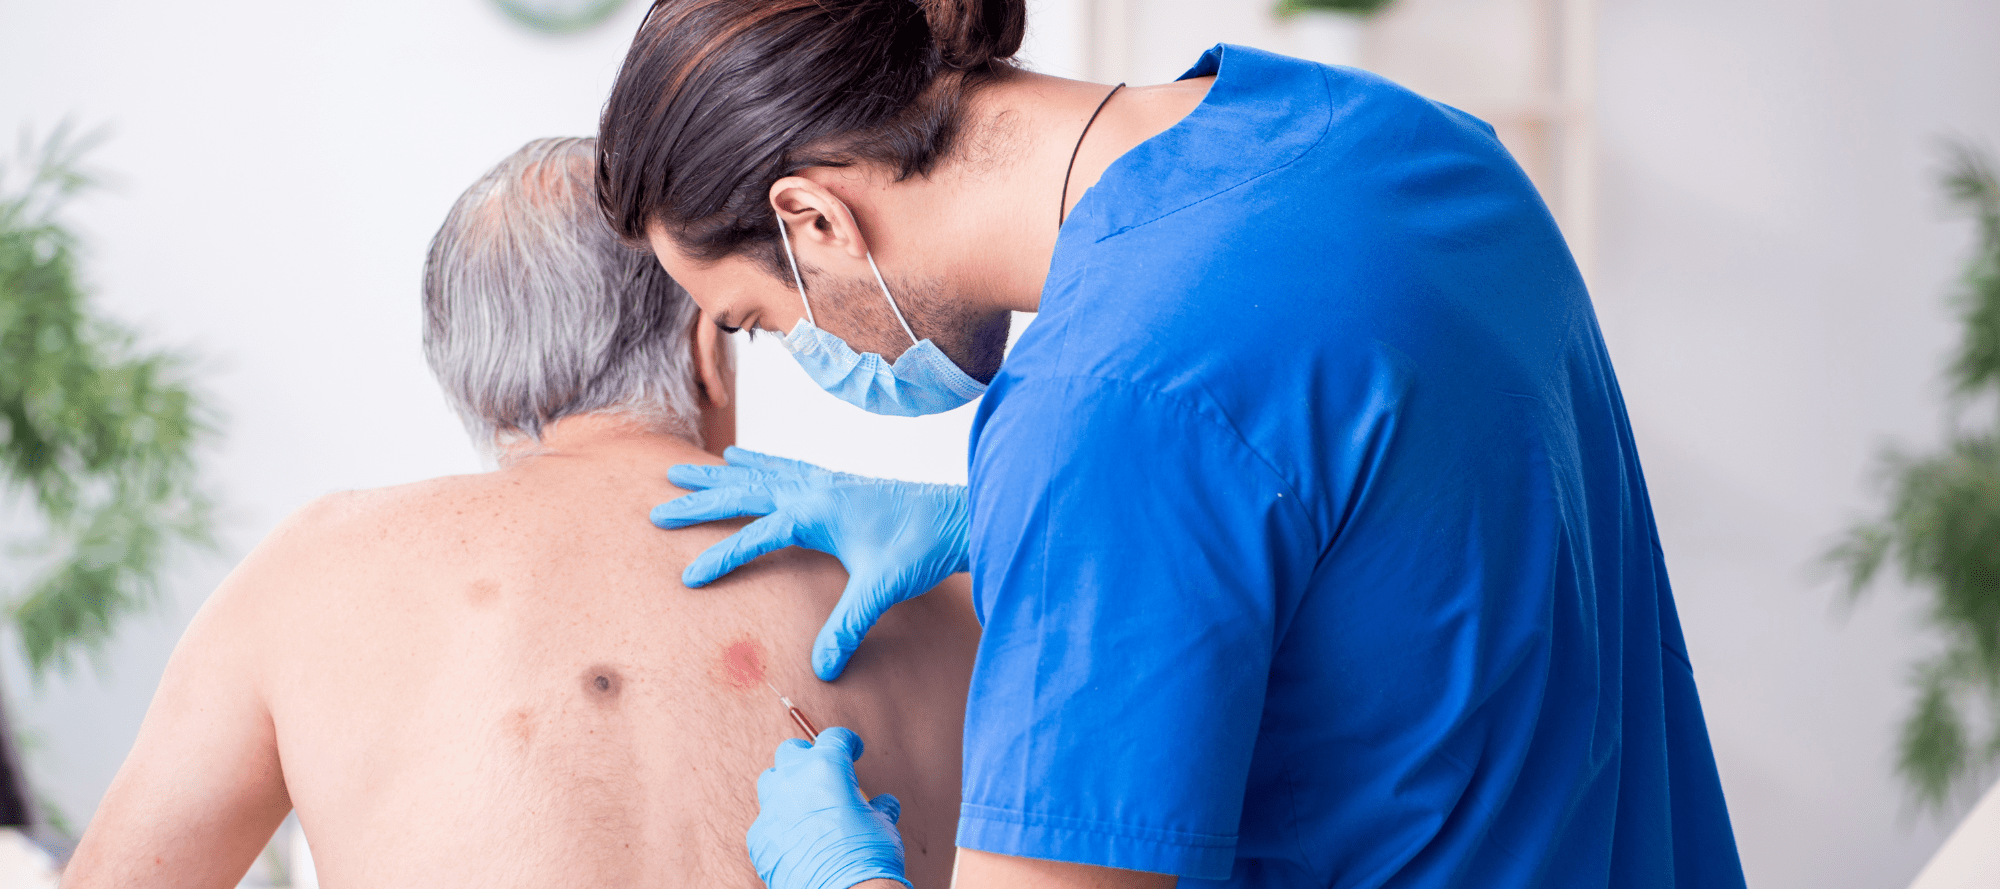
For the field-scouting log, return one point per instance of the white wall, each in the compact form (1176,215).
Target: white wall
(1770,265)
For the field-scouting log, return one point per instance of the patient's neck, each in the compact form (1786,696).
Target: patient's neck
(603,439)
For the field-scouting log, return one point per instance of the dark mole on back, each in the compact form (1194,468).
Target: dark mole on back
(602,682)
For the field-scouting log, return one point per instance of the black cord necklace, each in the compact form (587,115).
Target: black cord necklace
(1062,209)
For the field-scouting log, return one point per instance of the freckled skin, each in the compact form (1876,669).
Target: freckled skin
(523,723)
(482,592)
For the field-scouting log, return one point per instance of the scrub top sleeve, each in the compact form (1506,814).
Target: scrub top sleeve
(1130,555)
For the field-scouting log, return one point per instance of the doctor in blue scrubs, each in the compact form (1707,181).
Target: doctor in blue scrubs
(1305,522)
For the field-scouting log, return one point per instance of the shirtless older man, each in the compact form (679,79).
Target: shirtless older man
(496,680)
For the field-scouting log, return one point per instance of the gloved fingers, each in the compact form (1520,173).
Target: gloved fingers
(712,505)
(788,751)
(770,463)
(840,739)
(701,476)
(771,532)
(890,807)
(860,605)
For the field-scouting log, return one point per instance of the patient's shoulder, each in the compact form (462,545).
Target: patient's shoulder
(397,516)
(340,536)
(339,550)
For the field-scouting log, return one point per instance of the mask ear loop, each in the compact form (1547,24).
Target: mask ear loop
(892,300)
(801,282)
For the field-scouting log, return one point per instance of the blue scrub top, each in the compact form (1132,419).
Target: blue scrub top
(1308,530)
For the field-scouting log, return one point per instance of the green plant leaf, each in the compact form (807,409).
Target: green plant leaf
(97,431)
(1970,182)
(1933,748)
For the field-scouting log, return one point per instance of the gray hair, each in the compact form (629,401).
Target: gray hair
(534,310)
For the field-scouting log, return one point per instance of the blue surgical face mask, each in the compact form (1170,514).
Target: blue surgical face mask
(922,381)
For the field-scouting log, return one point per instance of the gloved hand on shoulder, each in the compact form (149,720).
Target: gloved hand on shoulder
(897,539)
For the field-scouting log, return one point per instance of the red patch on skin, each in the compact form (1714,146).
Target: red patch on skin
(743,663)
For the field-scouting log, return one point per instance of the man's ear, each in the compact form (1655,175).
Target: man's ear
(817,218)
(714,358)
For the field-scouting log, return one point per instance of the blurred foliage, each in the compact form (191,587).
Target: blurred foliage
(1941,531)
(1294,7)
(97,433)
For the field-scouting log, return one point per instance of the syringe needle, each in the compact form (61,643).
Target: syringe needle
(775,691)
(798,718)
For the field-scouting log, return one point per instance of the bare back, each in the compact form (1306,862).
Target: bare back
(499,680)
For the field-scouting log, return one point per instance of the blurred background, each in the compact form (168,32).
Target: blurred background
(1751,187)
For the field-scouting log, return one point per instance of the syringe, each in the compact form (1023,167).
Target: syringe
(804,724)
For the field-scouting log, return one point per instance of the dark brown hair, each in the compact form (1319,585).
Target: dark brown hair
(718,99)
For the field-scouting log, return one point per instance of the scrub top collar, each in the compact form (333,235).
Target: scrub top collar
(1156,178)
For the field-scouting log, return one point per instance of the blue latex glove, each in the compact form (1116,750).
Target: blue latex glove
(814,828)
(897,539)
